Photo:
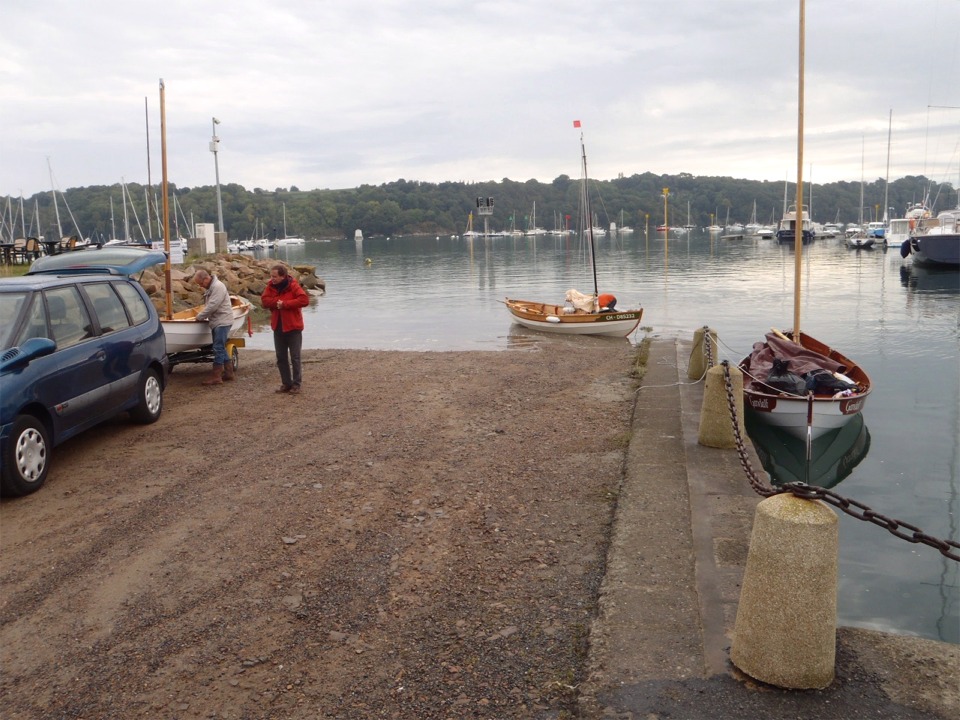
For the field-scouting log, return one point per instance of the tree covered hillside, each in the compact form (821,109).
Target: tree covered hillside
(407,207)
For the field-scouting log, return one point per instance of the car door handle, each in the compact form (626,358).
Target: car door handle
(101,355)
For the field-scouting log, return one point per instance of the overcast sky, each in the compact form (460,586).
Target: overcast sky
(339,93)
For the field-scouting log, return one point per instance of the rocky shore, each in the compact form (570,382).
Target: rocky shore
(242,274)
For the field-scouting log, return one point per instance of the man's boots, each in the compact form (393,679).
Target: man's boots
(216,377)
(228,373)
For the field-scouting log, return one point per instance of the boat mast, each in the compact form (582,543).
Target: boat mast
(798,232)
(126,218)
(860,218)
(8,219)
(166,203)
(146,190)
(56,208)
(586,194)
(886,182)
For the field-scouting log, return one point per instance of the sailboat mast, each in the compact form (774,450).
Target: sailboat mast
(56,208)
(886,182)
(166,203)
(798,232)
(586,193)
(146,191)
(126,218)
(860,216)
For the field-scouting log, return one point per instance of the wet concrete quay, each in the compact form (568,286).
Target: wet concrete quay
(660,647)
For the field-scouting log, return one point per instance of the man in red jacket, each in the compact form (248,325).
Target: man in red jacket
(285,300)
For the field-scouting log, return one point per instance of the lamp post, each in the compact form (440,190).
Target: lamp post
(214,145)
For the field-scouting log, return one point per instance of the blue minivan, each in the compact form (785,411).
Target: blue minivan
(80,342)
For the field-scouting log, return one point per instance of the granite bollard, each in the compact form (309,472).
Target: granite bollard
(716,427)
(698,354)
(786,627)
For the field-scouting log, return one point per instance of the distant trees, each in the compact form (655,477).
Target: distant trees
(411,206)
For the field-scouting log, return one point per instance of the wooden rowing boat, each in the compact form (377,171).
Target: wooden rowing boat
(793,410)
(184,332)
(570,321)
(586,314)
(790,410)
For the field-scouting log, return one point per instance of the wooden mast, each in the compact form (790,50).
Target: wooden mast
(166,201)
(798,225)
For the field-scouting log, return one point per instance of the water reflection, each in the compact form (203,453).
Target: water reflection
(834,454)
(524,338)
(930,281)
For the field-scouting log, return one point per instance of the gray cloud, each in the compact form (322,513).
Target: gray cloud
(337,93)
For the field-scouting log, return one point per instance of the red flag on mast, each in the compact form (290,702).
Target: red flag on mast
(576,123)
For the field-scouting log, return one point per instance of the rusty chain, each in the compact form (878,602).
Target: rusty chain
(948,548)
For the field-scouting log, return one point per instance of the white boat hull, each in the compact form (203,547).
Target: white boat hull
(791,414)
(858,241)
(184,332)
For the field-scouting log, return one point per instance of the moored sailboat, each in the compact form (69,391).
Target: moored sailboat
(582,314)
(791,379)
(287,240)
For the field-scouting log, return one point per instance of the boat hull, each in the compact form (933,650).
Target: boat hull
(936,250)
(789,412)
(555,319)
(184,332)
(789,236)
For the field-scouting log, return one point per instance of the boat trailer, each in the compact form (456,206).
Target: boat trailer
(204,354)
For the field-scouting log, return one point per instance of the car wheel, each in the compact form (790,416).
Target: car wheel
(26,459)
(150,403)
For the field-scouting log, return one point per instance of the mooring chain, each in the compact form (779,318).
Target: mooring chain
(708,346)
(948,548)
(756,482)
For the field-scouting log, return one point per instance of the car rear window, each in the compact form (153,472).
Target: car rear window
(68,316)
(107,307)
(137,308)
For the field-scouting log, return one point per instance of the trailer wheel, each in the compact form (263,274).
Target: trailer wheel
(235,356)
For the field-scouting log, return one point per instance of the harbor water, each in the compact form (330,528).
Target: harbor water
(900,322)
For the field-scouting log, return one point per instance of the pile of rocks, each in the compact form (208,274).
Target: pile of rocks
(243,275)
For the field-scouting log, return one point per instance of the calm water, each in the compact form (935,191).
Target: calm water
(901,323)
